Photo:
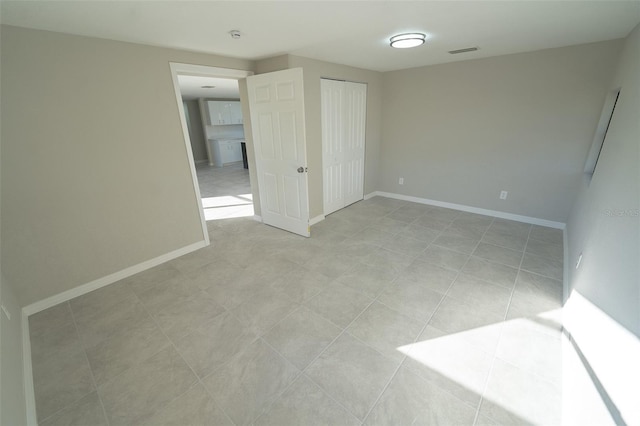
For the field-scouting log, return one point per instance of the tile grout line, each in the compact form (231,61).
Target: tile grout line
(494,357)
(344,330)
(384,389)
(300,374)
(172,344)
(84,351)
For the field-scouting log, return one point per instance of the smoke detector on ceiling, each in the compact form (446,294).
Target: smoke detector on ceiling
(235,34)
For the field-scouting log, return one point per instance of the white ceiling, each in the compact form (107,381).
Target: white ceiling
(353,33)
(191,87)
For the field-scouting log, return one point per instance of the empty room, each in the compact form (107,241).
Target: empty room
(319,213)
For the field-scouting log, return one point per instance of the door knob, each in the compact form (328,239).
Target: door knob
(300,169)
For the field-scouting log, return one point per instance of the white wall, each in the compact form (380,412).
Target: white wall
(464,131)
(196,130)
(95,173)
(603,312)
(12,397)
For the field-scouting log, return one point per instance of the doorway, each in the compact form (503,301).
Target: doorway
(215,148)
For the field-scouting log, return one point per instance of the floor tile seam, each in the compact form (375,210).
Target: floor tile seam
(463,266)
(274,398)
(553,258)
(513,290)
(259,335)
(449,248)
(495,262)
(86,357)
(485,385)
(410,316)
(342,332)
(541,240)
(503,246)
(384,389)
(476,308)
(413,257)
(164,346)
(484,280)
(539,274)
(262,335)
(538,376)
(403,360)
(325,391)
(197,381)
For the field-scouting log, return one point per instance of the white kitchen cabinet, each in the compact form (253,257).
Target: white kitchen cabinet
(224,112)
(224,151)
(236,112)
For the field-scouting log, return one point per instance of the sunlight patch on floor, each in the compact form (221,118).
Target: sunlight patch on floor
(228,206)
(514,365)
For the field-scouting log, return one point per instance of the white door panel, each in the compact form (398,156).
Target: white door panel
(276,103)
(343,139)
(356,111)
(332,99)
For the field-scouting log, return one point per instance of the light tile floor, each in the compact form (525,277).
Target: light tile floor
(225,191)
(391,313)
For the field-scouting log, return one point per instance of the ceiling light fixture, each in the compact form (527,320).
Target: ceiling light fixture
(404,41)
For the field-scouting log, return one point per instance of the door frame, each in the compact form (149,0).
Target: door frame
(205,71)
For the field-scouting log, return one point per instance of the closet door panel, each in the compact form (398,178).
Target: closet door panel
(354,140)
(332,109)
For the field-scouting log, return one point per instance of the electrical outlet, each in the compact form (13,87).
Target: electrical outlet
(401,181)
(503,195)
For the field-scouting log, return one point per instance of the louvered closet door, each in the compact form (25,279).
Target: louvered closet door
(343,140)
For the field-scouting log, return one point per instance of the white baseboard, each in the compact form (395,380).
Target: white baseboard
(470,209)
(370,195)
(109,279)
(257,218)
(27,372)
(316,219)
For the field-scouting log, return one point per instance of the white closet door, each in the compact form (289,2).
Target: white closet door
(344,110)
(353,146)
(332,100)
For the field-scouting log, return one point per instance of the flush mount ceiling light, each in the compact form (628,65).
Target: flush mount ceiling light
(404,41)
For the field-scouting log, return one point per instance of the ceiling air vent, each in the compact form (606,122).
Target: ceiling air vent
(468,49)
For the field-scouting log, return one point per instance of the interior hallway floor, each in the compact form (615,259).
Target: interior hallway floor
(391,313)
(225,191)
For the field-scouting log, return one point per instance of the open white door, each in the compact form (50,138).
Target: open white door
(276,102)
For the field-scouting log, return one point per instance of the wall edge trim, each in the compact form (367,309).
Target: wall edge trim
(27,373)
(470,209)
(109,279)
(316,219)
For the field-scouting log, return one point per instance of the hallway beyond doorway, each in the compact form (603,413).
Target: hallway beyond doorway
(225,191)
